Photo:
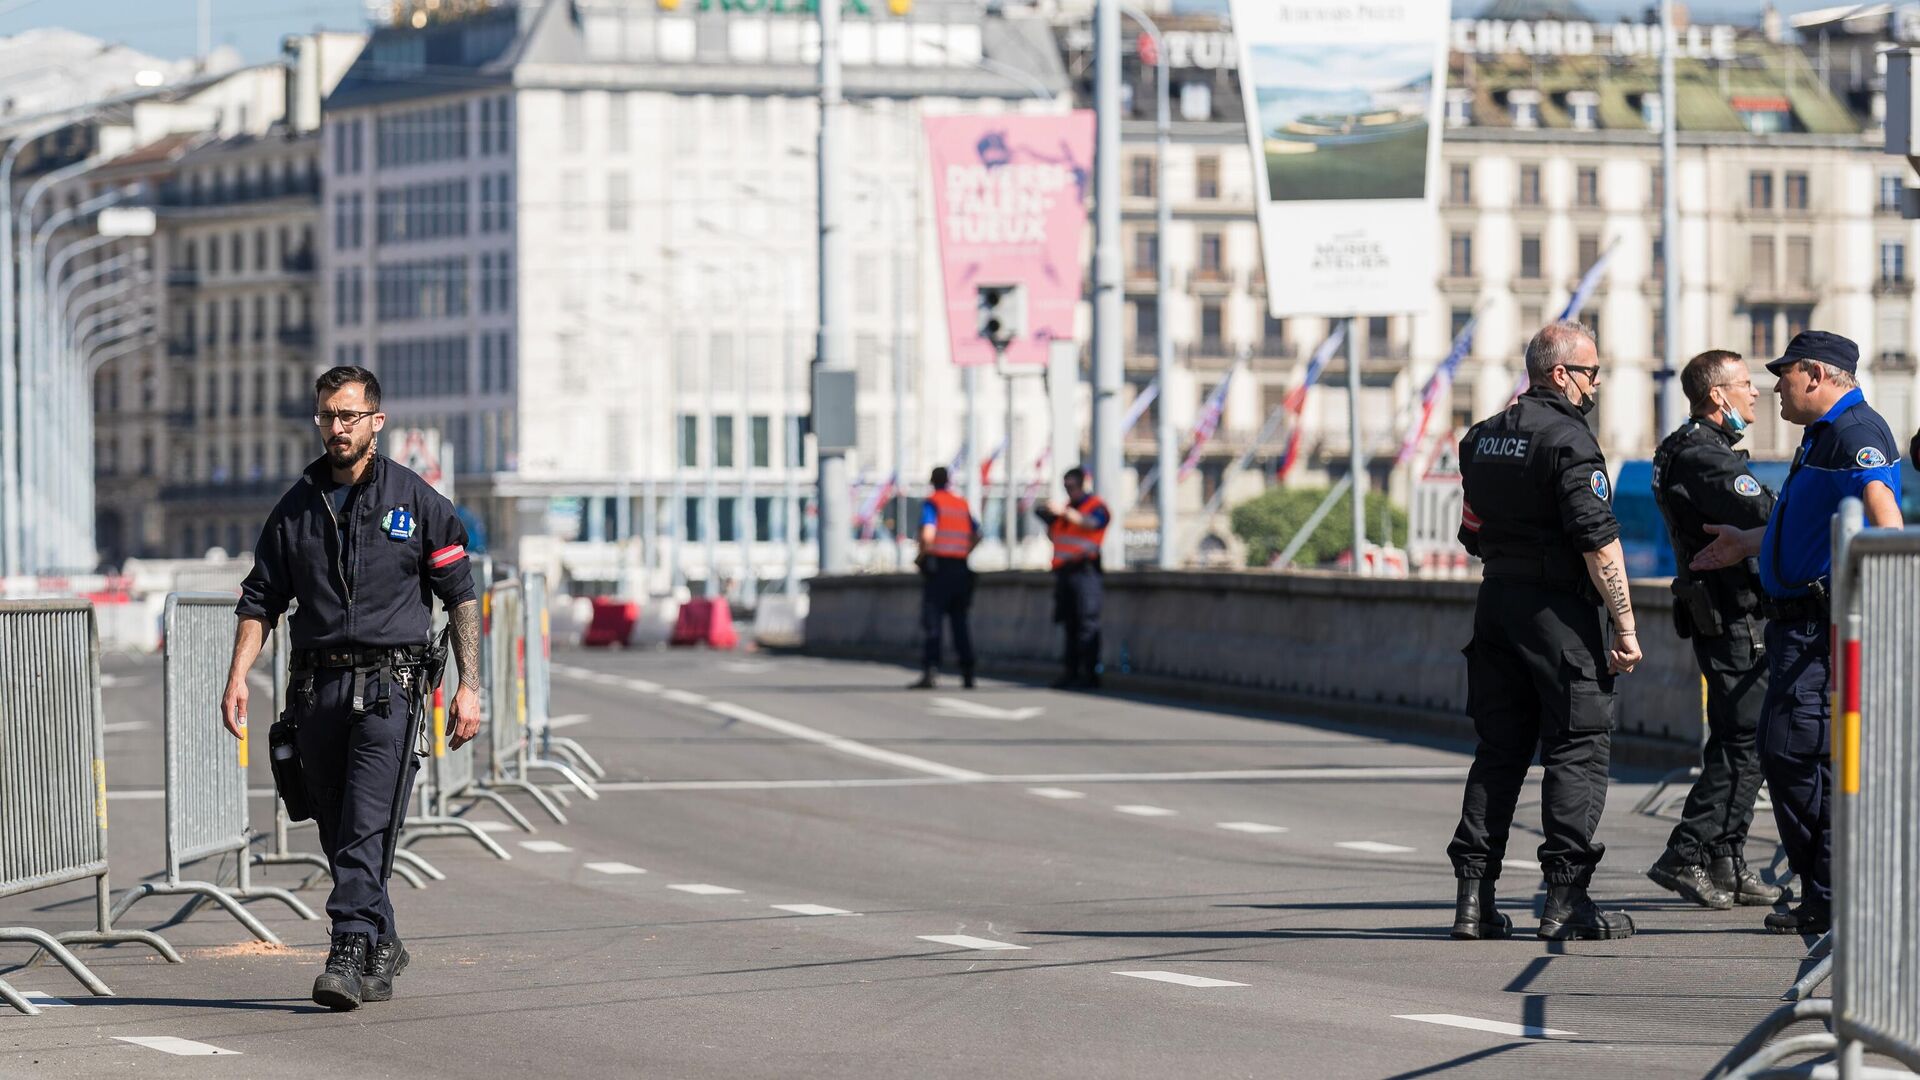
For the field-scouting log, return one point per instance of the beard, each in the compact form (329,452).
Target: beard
(347,451)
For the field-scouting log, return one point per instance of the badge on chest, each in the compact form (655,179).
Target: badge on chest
(399,524)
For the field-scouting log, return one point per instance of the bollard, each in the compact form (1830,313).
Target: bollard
(53,778)
(206,780)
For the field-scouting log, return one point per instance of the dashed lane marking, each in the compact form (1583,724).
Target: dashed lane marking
(1177,978)
(1498,1027)
(706,890)
(614,868)
(1056,793)
(1138,810)
(1373,847)
(684,697)
(844,745)
(962,941)
(1249,827)
(1528,865)
(168,1044)
(544,847)
(811,909)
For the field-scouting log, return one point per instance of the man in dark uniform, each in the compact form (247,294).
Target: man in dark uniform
(364,545)
(1700,479)
(1847,451)
(1078,528)
(1540,671)
(948,534)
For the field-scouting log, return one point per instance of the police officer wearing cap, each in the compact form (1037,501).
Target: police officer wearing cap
(1700,479)
(1078,529)
(1540,667)
(1846,451)
(948,534)
(365,546)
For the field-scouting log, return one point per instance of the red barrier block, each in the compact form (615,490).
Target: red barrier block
(612,622)
(691,627)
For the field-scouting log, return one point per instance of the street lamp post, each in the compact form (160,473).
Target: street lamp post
(1164,495)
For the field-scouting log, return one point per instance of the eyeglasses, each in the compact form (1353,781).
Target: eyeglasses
(348,419)
(1592,373)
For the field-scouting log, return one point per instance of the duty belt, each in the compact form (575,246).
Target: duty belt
(362,659)
(1535,568)
(1796,609)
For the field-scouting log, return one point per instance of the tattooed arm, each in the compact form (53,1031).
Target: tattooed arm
(1608,569)
(465,716)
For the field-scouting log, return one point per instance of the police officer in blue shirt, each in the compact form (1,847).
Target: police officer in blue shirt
(1847,451)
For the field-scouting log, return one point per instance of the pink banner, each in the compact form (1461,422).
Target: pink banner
(1010,197)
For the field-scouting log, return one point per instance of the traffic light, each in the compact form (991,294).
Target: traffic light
(1002,313)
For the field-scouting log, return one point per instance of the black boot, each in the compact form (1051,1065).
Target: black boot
(1690,880)
(966,676)
(387,960)
(926,681)
(1474,915)
(1732,874)
(1571,913)
(341,985)
(1810,917)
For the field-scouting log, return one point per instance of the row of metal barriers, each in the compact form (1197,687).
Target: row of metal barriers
(53,778)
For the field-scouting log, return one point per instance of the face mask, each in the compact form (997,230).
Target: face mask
(1731,418)
(1588,404)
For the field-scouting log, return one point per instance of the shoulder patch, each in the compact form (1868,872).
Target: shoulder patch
(1870,457)
(1598,482)
(1746,485)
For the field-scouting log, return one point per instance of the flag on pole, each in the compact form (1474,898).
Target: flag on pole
(1207,424)
(1038,485)
(1438,386)
(986,467)
(875,499)
(1139,406)
(1582,292)
(1297,400)
(960,459)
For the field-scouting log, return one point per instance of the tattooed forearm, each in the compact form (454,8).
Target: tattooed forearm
(466,642)
(1608,569)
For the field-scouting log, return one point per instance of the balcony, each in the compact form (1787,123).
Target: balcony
(1893,360)
(1277,349)
(1204,281)
(1893,286)
(296,337)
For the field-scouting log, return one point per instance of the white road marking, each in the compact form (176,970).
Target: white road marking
(962,941)
(843,745)
(1056,793)
(544,847)
(1528,865)
(975,710)
(167,1044)
(1146,811)
(1249,827)
(1498,1027)
(771,785)
(683,697)
(120,727)
(46,1000)
(811,909)
(1177,978)
(747,667)
(1379,772)
(644,686)
(968,777)
(491,826)
(614,868)
(568,720)
(706,890)
(1374,847)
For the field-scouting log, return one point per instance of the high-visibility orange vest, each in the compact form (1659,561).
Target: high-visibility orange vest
(952,526)
(1077,543)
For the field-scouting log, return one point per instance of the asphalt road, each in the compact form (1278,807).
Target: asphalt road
(797,869)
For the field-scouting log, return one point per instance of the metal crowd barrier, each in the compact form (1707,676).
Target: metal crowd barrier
(53,777)
(206,786)
(503,701)
(540,685)
(436,786)
(1876,819)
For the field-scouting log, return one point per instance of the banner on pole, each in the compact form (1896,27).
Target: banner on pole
(1010,196)
(1343,111)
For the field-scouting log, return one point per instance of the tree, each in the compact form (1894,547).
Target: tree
(1268,522)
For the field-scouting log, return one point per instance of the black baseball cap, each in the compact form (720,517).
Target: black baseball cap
(1819,345)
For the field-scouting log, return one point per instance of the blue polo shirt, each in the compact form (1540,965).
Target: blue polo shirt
(1840,454)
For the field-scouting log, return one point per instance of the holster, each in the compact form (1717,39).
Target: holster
(284,755)
(1694,612)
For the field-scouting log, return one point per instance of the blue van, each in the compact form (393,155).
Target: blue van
(1643,535)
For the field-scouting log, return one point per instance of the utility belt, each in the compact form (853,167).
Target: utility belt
(375,671)
(359,659)
(1814,606)
(1562,567)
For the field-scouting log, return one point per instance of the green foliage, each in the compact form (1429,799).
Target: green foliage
(1268,522)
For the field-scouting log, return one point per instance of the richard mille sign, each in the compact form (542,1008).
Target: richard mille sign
(1495,37)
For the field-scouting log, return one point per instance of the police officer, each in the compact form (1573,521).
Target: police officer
(948,534)
(1700,479)
(1077,528)
(1847,450)
(364,545)
(1540,671)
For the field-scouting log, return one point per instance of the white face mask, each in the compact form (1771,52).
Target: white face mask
(1731,418)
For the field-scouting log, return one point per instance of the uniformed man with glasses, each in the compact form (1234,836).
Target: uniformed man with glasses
(364,545)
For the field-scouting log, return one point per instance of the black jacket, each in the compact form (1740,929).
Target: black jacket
(1537,491)
(404,545)
(1699,479)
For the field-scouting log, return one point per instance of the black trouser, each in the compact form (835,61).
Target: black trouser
(946,595)
(1536,677)
(1793,749)
(351,764)
(1077,593)
(1720,807)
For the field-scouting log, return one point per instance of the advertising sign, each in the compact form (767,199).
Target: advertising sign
(1010,197)
(1343,109)
(425,452)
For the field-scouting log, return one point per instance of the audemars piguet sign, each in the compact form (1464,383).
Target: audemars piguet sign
(1342,102)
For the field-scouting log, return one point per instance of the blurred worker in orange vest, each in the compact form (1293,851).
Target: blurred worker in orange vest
(1078,527)
(948,534)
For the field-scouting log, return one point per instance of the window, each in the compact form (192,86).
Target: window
(1893,262)
(1206,177)
(689,440)
(1653,112)
(759,438)
(1529,185)
(1793,194)
(1760,191)
(1586,186)
(798,428)
(1658,260)
(1379,337)
(1460,255)
(1211,257)
(1460,184)
(1524,107)
(1273,337)
(1211,321)
(486,126)
(1800,262)
(1459,107)
(1584,107)
(1798,318)
(763,518)
(723,442)
(1146,252)
(727,509)
(1589,251)
(1658,346)
(1530,256)
(1140,172)
(1761,340)
(259,317)
(1656,188)
(1457,322)
(1146,326)
(1891,185)
(1760,262)
(618,201)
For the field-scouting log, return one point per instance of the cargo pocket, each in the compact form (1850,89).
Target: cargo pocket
(1590,698)
(1806,734)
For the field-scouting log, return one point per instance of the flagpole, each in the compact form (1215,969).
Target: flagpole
(1357,454)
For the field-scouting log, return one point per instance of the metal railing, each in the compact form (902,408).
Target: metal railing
(206,776)
(540,686)
(503,699)
(53,777)
(447,774)
(1875,957)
